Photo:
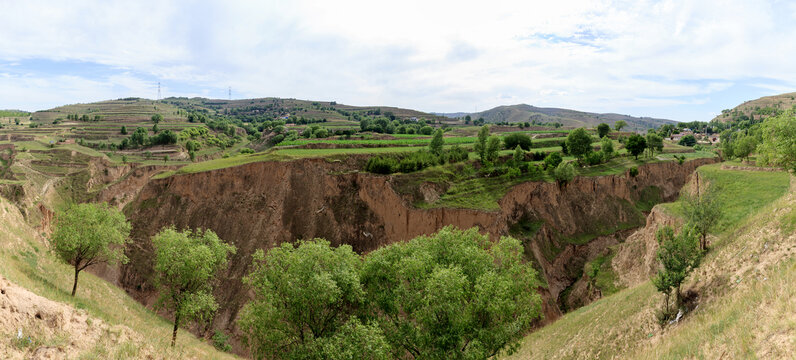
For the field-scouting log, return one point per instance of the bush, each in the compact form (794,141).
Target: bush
(552,160)
(247,151)
(456,154)
(426,130)
(594,158)
(512,140)
(633,171)
(512,173)
(688,140)
(220,341)
(538,156)
(381,165)
(564,172)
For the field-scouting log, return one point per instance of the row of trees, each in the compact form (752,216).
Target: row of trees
(454,294)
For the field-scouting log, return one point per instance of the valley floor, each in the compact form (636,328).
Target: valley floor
(746,289)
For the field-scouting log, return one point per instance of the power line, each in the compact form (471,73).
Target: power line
(158,90)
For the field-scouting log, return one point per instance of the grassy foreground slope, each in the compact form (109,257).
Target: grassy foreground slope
(746,286)
(26,262)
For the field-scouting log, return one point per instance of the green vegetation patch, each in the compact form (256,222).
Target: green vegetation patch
(602,274)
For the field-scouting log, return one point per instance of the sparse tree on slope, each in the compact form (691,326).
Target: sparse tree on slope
(678,255)
(480,146)
(702,211)
(157,118)
(578,142)
(607,148)
(635,145)
(744,146)
(603,129)
(654,142)
(619,125)
(519,156)
(493,148)
(88,234)
(186,263)
(435,146)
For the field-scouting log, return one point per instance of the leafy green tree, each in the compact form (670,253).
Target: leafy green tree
(678,255)
(654,142)
(493,148)
(703,212)
(564,172)
(186,264)
(426,130)
(607,148)
(619,125)
(467,119)
(744,146)
(688,140)
(480,145)
(155,128)
(157,118)
(435,146)
(578,142)
(165,159)
(603,129)
(88,234)
(552,160)
(452,295)
(513,140)
(124,130)
(636,144)
(518,156)
(779,141)
(139,137)
(305,300)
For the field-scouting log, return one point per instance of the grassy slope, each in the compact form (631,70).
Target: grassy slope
(747,310)
(25,260)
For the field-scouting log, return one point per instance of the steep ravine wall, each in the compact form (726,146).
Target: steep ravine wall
(261,205)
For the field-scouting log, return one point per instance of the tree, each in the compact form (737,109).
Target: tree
(603,129)
(519,156)
(139,137)
(744,146)
(435,146)
(305,297)
(564,172)
(467,119)
(703,212)
(165,159)
(452,295)
(578,142)
(155,128)
(678,255)
(688,140)
(607,148)
(619,125)
(480,145)
(636,144)
(157,118)
(124,130)
(186,264)
(426,130)
(779,141)
(493,148)
(654,142)
(517,139)
(552,160)
(88,234)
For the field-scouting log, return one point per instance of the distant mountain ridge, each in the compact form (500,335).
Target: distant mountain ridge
(566,117)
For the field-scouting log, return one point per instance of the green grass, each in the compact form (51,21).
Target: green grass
(740,192)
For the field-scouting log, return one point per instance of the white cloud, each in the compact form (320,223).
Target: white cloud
(431,55)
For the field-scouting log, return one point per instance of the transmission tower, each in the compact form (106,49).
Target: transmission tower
(230,93)
(158,90)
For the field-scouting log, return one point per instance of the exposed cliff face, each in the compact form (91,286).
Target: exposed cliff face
(261,205)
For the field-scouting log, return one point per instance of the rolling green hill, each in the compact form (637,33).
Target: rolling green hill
(573,118)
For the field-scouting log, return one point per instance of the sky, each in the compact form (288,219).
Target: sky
(681,60)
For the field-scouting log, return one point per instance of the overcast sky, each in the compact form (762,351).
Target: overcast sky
(683,60)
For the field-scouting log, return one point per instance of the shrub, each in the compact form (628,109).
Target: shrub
(633,171)
(538,156)
(512,173)
(552,160)
(247,151)
(564,172)
(381,165)
(688,140)
(456,154)
(513,140)
(220,341)
(594,158)
(426,130)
